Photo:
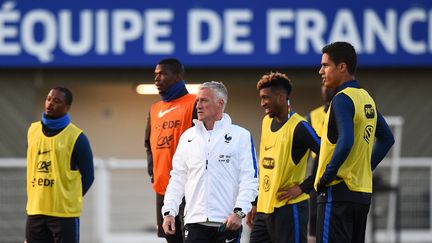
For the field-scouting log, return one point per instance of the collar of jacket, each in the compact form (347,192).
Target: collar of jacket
(220,124)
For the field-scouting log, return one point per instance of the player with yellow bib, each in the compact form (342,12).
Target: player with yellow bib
(354,139)
(59,173)
(281,214)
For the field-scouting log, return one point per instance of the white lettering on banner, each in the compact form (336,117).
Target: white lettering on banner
(311,26)
(102,37)
(234,30)
(7,17)
(127,26)
(41,49)
(275,30)
(429,30)
(407,21)
(40,32)
(197,18)
(386,33)
(345,29)
(154,30)
(84,44)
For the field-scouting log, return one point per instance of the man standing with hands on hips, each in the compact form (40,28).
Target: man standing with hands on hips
(215,168)
(281,213)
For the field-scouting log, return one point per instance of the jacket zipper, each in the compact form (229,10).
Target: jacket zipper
(207,182)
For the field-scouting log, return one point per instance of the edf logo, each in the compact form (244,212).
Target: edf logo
(171,124)
(43,182)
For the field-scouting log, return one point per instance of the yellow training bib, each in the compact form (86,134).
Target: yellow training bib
(277,169)
(52,187)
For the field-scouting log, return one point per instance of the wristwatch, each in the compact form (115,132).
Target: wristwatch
(239,213)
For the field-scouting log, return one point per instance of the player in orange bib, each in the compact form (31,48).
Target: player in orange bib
(167,120)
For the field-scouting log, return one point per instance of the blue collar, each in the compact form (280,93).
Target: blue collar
(348,84)
(56,124)
(174,91)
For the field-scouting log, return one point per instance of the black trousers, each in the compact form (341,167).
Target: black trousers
(198,233)
(178,236)
(341,222)
(287,224)
(312,213)
(48,229)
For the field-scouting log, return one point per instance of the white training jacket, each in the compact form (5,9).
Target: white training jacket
(216,173)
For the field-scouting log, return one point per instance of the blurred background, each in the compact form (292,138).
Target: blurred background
(102,50)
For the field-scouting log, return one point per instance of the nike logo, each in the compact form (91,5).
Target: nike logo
(43,152)
(190,140)
(232,240)
(163,113)
(267,148)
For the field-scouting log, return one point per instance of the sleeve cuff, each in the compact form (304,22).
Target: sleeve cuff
(167,212)
(254,203)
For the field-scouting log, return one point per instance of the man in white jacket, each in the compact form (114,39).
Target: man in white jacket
(215,168)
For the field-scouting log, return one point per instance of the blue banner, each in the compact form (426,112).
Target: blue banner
(208,33)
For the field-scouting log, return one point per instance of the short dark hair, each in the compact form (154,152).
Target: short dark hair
(174,65)
(67,94)
(275,81)
(340,52)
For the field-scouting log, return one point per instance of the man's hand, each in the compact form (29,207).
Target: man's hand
(168,225)
(251,216)
(150,167)
(233,222)
(321,187)
(289,193)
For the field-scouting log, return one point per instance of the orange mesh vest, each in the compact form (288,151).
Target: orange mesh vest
(168,121)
